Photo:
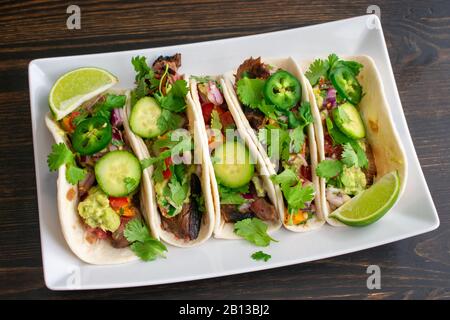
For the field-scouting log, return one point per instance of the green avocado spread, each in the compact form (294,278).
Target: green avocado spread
(97,213)
(354,180)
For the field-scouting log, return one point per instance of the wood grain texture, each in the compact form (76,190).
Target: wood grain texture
(418,38)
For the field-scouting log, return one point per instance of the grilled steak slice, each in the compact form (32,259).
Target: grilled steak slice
(264,210)
(230,213)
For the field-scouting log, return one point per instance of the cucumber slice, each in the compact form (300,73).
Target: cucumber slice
(232,165)
(349,121)
(118,173)
(144,118)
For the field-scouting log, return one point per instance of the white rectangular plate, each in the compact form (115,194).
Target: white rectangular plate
(413,214)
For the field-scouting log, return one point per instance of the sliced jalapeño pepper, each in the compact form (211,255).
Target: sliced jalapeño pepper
(283,90)
(346,84)
(92,135)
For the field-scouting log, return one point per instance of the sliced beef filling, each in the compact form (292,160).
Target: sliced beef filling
(159,66)
(231,213)
(252,68)
(256,118)
(186,224)
(264,210)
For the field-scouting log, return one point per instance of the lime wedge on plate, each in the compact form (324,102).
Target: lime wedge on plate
(371,204)
(78,86)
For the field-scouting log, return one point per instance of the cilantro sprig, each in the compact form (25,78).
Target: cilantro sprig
(294,192)
(142,244)
(261,256)
(321,68)
(111,102)
(254,231)
(329,168)
(62,155)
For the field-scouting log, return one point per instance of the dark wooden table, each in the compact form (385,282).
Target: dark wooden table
(418,37)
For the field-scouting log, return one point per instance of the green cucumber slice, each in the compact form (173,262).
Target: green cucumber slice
(144,118)
(232,165)
(349,121)
(118,173)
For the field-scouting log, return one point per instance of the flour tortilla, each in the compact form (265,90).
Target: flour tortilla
(380,130)
(289,65)
(223,230)
(100,252)
(207,224)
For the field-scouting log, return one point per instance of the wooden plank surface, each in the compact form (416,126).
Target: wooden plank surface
(418,38)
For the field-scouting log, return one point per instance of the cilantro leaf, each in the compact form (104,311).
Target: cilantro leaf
(168,120)
(363,162)
(141,67)
(354,156)
(317,69)
(267,109)
(178,192)
(60,155)
(74,174)
(254,231)
(147,162)
(179,88)
(259,255)
(305,113)
(287,177)
(130,184)
(297,139)
(228,196)
(174,99)
(215,120)
(139,92)
(149,250)
(111,102)
(332,60)
(250,91)
(142,244)
(232,196)
(135,230)
(297,196)
(349,157)
(278,143)
(329,168)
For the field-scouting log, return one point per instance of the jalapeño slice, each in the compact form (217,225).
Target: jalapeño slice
(92,135)
(283,90)
(346,84)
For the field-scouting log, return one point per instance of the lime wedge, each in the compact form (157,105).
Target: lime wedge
(78,86)
(371,204)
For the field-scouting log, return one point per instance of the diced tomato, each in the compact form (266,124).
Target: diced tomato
(207,109)
(227,119)
(67,121)
(167,174)
(118,202)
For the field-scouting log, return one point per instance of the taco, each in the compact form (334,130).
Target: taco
(240,183)
(355,134)
(269,97)
(100,190)
(163,120)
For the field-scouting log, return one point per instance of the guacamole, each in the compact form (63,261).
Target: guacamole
(354,180)
(97,213)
